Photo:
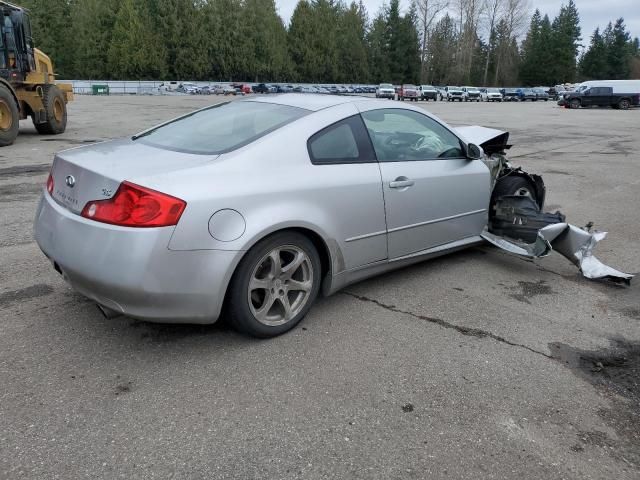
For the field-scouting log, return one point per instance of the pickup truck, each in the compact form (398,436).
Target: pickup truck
(470,94)
(409,92)
(428,92)
(263,88)
(385,90)
(454,93)
(601,97)
(525,94)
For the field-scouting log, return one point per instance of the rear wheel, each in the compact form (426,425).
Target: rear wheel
(624,104)
(275,285)
(9,117)
(55,110)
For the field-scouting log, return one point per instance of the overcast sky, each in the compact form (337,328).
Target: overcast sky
(593,13)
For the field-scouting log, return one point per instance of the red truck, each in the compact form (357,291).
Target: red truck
(409,92)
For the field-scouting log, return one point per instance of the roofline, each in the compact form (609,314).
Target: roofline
(11,5)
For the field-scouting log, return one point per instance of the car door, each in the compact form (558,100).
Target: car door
(433,194)
(351,192)
(601,96)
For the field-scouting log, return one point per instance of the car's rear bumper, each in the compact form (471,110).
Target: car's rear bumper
(131,270)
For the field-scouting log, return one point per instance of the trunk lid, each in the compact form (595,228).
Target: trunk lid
(95,172)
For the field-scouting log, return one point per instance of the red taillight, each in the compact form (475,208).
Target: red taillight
(50,184)
(136,206)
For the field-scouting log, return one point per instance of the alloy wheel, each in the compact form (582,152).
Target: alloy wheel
(280,285)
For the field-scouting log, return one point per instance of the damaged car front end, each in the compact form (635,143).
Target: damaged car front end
(518,223)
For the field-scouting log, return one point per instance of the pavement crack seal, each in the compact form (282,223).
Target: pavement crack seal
(473,332)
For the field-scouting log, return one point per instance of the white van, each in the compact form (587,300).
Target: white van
(618,86)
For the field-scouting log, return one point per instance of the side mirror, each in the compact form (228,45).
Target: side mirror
(474,152)
(586,92)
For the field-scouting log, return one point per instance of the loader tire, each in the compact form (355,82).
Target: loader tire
(9,117)
(56,111)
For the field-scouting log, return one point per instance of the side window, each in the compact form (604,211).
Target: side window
(343,142)
(403,135)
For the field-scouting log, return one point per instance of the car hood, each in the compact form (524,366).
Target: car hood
(490,139)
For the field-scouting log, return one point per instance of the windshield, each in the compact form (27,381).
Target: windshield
(386,85)
(493,90)
(221,128)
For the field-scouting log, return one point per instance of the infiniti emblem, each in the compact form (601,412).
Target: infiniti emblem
(70,181)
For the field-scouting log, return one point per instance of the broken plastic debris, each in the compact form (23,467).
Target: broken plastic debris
(575,244)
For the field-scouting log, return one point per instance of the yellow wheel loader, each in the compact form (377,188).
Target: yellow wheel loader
(27,82)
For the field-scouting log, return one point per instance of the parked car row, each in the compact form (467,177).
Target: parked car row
(261,88)
(453,93)
(404,92)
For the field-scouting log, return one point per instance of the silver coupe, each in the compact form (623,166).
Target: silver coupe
(255,207)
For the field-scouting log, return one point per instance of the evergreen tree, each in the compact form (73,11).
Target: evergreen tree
(401,44)
(181,31)
(92,26)
(351,44)
(442,51)
(378,52)
(531,51)
(507,55)
(136,51)
(594,63)
(313,41)
(619,51)
(50,23)
(565,40)
(266,38)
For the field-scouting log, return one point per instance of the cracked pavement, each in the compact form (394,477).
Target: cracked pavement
(472,365)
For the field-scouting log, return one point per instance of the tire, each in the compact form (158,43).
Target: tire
(9,117)
(56,111)
(624,104)
(512,185)
(575,103)
(245,303)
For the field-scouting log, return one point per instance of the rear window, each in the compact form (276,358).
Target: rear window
(221,128)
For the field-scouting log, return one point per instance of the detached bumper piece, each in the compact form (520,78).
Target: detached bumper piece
(520,228)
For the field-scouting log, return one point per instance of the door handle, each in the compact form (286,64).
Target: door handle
(401,182)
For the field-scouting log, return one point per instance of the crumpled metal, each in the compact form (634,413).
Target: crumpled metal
(572,242)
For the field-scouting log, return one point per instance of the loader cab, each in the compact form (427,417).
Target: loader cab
(17,57)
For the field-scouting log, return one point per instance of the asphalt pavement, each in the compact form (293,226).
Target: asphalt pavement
(476,365)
